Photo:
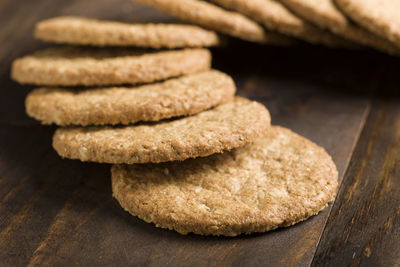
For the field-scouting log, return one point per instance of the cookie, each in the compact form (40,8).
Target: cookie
(213,17)
(225,127)
(380,17)
(83,31)
(73,66)
(326,15)
(275,16)
(186,95)
(277,181)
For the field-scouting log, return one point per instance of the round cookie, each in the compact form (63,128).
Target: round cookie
(275,16)
(225,127)
(213,17)
(74,66)
(380,17)
(185,95)
(277,181)
(83,31)
(326,15)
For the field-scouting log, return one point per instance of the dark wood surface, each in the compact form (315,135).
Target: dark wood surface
(60,212)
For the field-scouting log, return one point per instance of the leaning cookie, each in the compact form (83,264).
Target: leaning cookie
(275,16)
(326,15)
(186,95)
(380,17)
(279,180)
(213,17)
(225,127)
(74,66)
(83,31)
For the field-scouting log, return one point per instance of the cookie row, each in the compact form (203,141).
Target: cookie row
(275,22)
(189,155)
(333,23)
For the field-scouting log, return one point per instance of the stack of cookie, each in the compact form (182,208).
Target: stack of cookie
(189,155)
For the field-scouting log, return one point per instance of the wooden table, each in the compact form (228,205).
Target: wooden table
(60,212)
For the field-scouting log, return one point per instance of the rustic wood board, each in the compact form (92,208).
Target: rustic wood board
(364,225)
(60,212)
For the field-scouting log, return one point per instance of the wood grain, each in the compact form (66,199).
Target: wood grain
(60,212)
(364,226)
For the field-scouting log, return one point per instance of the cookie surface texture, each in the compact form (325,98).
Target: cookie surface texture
(225,127)
(181,96)
(213,17)
(379,16)
(275,16)
(326,15)
(72,66)
(83,31)
(277,181)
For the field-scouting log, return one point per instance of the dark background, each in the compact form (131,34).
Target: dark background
(61,212)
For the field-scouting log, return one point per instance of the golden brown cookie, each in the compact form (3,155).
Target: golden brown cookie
(277,181)
(326,15)
(72,66)
(185,95)
(213,17)
(275,16)
(83,31)
(378,16)
(225,127)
